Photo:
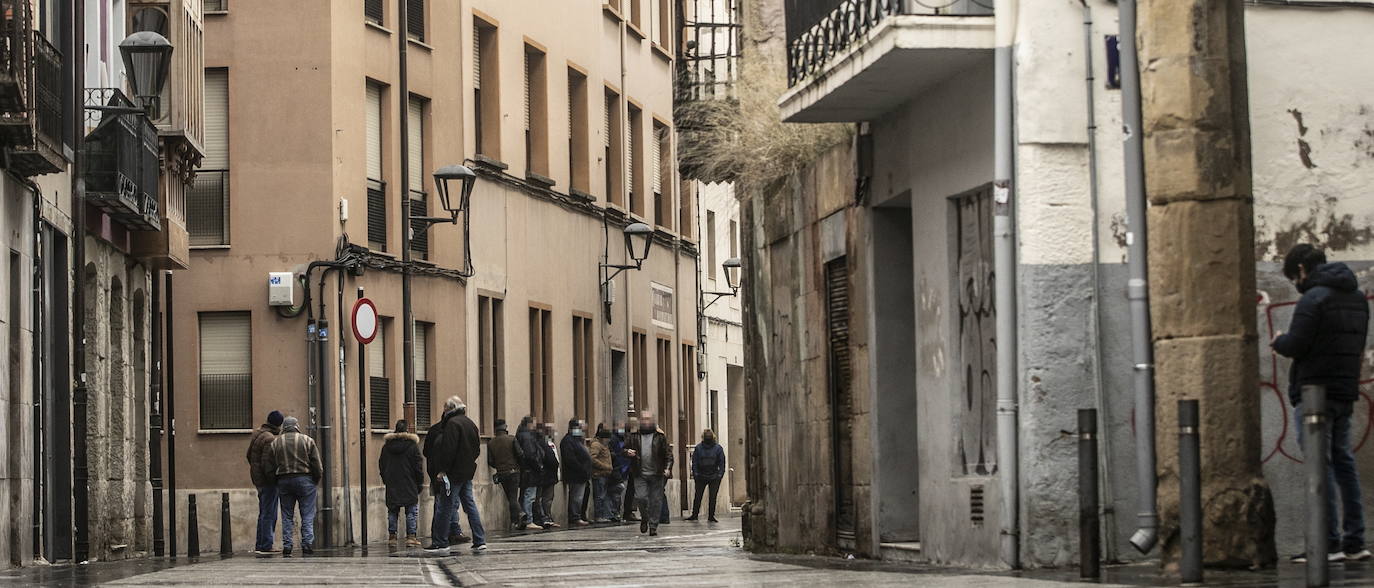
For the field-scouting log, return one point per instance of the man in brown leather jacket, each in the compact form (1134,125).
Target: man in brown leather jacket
(265,481)
(651,460)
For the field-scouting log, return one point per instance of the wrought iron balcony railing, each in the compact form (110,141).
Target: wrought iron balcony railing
(32,130)
(14,55)
(121,161)
(812,45)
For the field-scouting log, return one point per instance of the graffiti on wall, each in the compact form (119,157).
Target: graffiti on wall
(976,418)
(1280,430)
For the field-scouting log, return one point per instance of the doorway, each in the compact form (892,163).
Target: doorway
(734,449)
(896,468)
(620,388)
(841,396)
(52,404)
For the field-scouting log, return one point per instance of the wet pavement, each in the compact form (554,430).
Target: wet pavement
(684,554)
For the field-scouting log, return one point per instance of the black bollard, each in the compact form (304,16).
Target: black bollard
(1190,492)
(1089,528)
(192,527)
(226,533)
(1315,451)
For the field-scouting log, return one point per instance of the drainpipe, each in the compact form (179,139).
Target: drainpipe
(1004,259)
(80,391)
(1100,392)
(155,417)
(1137,286)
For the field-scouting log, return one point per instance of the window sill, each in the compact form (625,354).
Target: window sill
(377,27)
(421,44)
(490,163)
(575,193)
(634,30)
(216,12)
(661,52)
(224,431)
(540,180)
(209,247)
(611,12)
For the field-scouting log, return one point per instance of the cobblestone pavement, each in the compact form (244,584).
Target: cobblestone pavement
(685,554)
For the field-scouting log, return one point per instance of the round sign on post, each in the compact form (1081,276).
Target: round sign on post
(364,321)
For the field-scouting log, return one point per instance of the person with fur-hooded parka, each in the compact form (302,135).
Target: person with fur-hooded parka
(403,473)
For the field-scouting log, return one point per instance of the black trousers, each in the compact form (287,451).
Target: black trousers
(702,485)
(510,484)
(629,497)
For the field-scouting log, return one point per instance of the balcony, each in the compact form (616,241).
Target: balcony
(853,60)
(120,163)
(30,97)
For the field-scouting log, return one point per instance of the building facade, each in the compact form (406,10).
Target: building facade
(873,301)
(565,114)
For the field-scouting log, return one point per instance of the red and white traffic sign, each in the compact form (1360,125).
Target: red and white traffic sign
(364,321)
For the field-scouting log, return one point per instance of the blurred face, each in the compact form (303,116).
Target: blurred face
(646,420)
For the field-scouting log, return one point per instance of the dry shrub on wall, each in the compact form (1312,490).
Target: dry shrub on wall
(743,139)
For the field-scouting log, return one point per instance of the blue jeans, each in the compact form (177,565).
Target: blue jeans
(576,492)
(297,490)
(529,504)
(601,505)
(412,517)
(464,497)
(267,516)
(1342,478)
(444,523)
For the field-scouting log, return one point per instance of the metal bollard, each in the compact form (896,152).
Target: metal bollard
(226,530)
(1190,491)
(1315,450)
(192,527)
(1089,527)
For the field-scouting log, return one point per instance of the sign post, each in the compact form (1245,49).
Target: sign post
(365,323)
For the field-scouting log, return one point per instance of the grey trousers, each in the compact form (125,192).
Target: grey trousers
(649,496)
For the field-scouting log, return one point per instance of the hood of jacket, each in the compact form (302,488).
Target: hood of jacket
(400,442)
(1336,276)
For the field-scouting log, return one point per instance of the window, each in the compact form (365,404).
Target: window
(486,111)
(541,365)
(660,151)
(424,397)
(372,10)
(686,217)
(577,131)
(635,161)
(584,360)
(734,239)
(419,200)
(711,244)
(665,23)
(208,204)
(222,5)
(376,188)
(687,379)
(713,410)
(663,405)
(613,145)
(536,113)
(415,19)
(640,370)
(637,14)
(378,384)
(226,371)
(491,363)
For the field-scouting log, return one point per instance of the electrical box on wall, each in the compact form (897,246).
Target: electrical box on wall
(281,289)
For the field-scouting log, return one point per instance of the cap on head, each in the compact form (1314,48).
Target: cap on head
(500,425)
(290,423)
(574,423)
(275,418)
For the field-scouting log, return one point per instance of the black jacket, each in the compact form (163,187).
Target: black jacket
(577,461)
(401,469)
(661,460)
(451,447)
(1326,339)
(549,474)
(503,454)
(708,461)
(531,452)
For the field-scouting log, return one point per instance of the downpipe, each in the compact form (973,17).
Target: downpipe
(1004,260)
(1137,286)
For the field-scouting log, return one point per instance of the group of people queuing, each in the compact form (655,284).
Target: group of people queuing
(610,476)
(614,474)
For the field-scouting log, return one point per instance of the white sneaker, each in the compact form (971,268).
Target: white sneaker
(479,547)
(1361,555)
(1333,557)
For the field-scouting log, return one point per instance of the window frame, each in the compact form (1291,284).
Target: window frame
(246,407)
(209,172)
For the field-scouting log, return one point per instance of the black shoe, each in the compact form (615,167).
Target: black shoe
(691,518)
(713,519)
(286,552)
(308,550)
(434,547)
(653,532)
(643,527)
(632,518)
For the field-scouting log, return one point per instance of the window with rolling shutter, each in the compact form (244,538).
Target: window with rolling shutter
(424,399)
(655,158)
(207,214)
(376,188)
(415,19)
(476,56)
(372,11)
(419,239)
(529,76)
(634,156)
(415,112)
(226,370)
(379,386)
(421,343)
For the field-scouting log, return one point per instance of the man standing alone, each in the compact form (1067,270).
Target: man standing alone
(295,459)
(264,480)
(652,462)
(451,451)
(1326,341)
(708,467)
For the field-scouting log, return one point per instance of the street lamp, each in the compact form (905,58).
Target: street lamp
(442,182)
(732,268)
(638,238)
(147,59)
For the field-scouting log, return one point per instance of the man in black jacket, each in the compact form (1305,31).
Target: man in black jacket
(402,474)
(1326,341)
(531,471)
(451,449)
(651,460)
(577,471)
